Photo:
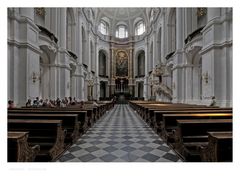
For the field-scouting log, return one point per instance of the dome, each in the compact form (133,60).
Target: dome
(122,14)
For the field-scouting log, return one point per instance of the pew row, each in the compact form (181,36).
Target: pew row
(48,134)
(19,149)
(191,135)
(219,148)
(70,123)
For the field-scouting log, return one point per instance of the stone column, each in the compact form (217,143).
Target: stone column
(217,62)
(177,70)
(97,70)
(23,57)
(63,57)
(145,85)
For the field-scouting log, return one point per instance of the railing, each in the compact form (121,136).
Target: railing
(72,54)
(48,33)
(193,34)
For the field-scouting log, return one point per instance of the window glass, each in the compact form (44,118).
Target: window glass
(121,31)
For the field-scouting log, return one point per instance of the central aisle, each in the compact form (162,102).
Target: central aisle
(120,136)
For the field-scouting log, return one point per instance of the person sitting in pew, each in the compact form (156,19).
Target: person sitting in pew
(63,104)
(35,103)
(51,104)
(66,101)
(29,103)
(10,104)
(58,102)
(40,103)
(95,103)
(45,103)
(213,102)
(81,104)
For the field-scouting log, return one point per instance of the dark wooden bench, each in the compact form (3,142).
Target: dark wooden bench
(49,134)
(169,123)
(18,148)
(157,120)
(69,122)
(219,147)
(147,110)
(192,134)
(81,115)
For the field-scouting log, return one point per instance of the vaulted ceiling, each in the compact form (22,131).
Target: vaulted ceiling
(123,15)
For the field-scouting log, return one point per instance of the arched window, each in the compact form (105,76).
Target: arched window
(121,31)
(139,28)
(103,27)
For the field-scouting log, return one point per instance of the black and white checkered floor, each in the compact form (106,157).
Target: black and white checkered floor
(120,136)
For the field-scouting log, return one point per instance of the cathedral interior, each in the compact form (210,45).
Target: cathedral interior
(179,55)
(119,84)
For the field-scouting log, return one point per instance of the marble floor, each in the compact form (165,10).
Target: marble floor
(120,136)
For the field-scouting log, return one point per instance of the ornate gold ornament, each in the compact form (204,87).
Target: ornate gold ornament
(40,11)
(201,12)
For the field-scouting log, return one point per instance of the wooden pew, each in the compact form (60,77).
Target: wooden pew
(82,118)
(49,134)
(69,122)
(149,110)
(190,135)
(157,119)
(169,123)
(18,148)
(219,147)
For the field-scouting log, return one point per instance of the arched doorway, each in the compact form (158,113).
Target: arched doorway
(141,64)
(103,90)
(140,90)
(102,62)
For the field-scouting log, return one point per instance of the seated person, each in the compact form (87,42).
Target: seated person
(63,104)
(95,103)
(35,103)
(45,103)
(40,103)
(10,104)
(51,104)
(29,103)
(58,102)
(213,102)
(81,104)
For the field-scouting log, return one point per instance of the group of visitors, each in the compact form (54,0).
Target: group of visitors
(53,103)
